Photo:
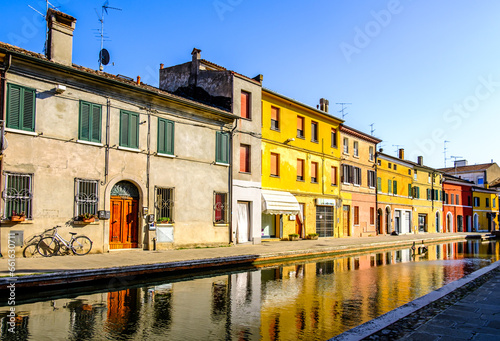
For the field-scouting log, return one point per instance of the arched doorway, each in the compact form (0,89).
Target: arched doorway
(476,223)
(380,216)
(388,220)
(449,222)
(438,220)
(124,222)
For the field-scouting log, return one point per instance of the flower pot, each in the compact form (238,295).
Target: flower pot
(89,220)
(17,218)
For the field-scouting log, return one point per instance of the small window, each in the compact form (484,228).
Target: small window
(165,137)
(379,162)
(356,215)
(429,178)
(476,202)
(480,181)
(90,122)
(222,147)
(129,129)
(245,105)
(415,174)
(356,149)
(244,158)
(275,118)
(371,178)
(494,202)
(389,165)
(220,208)
(395,167)
(300,170)
(314,131)
(300,127)
(456,199)
(314,172)
(409,171)
(371,153)
(334,176)
(164,205)
(18,194)
(86,196)
(487,203)
(21,107)
(346,145)
(334,138)
(275,164)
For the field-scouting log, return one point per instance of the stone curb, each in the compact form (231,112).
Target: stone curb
(373,326)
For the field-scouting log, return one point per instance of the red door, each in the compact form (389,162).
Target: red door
(123,230)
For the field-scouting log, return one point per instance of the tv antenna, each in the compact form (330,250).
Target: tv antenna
(103,53)
(397,148)
(444,152)
(46,23)
(344,114)
(371,129)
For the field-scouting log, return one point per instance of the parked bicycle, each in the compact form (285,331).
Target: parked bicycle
(49,246)
(31,244)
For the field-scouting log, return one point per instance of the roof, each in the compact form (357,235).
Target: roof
(131,83)
(359,134)
(471,168)
(449,178)
(221,68)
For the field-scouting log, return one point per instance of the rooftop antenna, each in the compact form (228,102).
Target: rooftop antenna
(103,53)
(46,23)
(454,162)
(371,129)
(397,147)
(444,152)
(344,114)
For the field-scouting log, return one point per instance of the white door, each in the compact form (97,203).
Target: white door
(243,225)
(407,223)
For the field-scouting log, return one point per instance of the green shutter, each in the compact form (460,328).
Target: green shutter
(129,129)
(95,136)
(418,192)
(20,108)
(441,195)
(389,186)
(90,122)
(379,184)
(165,136)
(84,131)
(124,139)
(222,147)
(395,185)
(409,190)
(134,131)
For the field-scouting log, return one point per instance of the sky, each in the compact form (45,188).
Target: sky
(417,73)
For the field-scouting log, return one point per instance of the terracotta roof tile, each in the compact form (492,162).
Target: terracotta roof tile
(471,168)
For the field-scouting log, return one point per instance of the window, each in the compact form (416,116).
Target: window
(494,202)
(379,185)
(371,178)
(395,167)
(356,149)
(379,162)
(416,192)
(409,171)
(164,205)
(456,199)
(300,170)
(429,178)
(220,208)
(244,158)
(18,194)
(346,145)
(275,164)
(165,137)
(334,176)
(446,198)
(415,174)
(222,147)
(372,215)
(351,175)
(86,196)
(90,122)
(129,129)
(468,200)
(409,190)
(334,138)
(476,202)
(300,127)
(480,181)
(395,187)
(356,215)
(20,107)
(357,176)
(389,165)
(371,153)
(314,131)
(314,172)
(487,202)
(245,105)
(389,186)
(275,118)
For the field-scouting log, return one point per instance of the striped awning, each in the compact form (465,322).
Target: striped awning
(276,202)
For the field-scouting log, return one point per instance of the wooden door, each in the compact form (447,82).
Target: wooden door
(123,229)
(346,211)
(299,223)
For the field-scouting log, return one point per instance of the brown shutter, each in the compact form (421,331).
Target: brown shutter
(245,104)
(274,114)
(300,168)
(244,158)
(334,176)
(314,170)
(274,164)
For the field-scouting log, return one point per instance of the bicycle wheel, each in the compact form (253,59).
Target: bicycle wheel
(81,245)
(31,250)
(48,246)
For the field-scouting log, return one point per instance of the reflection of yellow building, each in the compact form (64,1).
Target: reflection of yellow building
(300,168)
(485,209)
(394,193)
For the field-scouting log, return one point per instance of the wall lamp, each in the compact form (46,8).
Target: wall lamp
(60,88)
(289,140)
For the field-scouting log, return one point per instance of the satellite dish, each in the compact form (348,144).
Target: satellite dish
(104,57)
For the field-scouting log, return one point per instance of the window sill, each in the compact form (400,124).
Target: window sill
(164,225)
(345,153)
(274,176)
(166,155)
(314,141)
(355,156)
(248,173)
(278,130)
(10,222)
(135,150)
(314,182)
(97,144)
(356,185)
(334,185)
(300,180)
(301,137)
(222,164)
(19,131)
(221,225)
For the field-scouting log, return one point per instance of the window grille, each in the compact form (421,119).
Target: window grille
(86,196)
(220,208)
(164,204)
(18,194)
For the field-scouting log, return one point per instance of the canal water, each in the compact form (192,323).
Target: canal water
(306,300)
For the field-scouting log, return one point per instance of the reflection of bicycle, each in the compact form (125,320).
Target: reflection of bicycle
(31,244)
(49,246)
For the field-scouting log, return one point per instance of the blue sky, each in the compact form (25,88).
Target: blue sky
(421,71)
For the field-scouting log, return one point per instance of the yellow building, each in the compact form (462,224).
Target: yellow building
(300,168)
(427,193)
(485,209)
(394,194)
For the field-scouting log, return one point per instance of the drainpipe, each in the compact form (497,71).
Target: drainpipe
(3,94)
(106,150)
(230,184)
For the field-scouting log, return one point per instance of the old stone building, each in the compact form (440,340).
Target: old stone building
(152,166)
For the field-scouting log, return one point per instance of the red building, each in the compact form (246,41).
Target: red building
(457,204)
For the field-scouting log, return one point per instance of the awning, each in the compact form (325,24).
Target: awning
(276,202)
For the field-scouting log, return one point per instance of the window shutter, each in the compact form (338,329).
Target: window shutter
(409,190)
(300,123)
(124,127)
(21,108)
(314,170)
(245,104)
(84,121)
(428,194)
(379,184)
(29,110)
(418,192)
(389,186)
(222,147)
(334,176)
(169,137)
(395,185)
(96,123)
(14,107)
(300,168)
(134,131)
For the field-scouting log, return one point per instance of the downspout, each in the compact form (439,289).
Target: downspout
(230,186)
(106,170)
(2,110)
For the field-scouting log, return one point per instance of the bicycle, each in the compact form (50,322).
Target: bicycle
(31,245)
(49,246)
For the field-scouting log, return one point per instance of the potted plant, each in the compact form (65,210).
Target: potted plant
(87,217)
(312,236)
(293,236)
(163,220)
(17,217)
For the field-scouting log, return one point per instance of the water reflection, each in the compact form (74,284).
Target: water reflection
(302,301)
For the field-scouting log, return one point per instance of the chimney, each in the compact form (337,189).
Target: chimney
(138,80)
(323,104)
(420,160)
(60,39)
(195,67)
(401,153)
(259,78)
(162,66)
(460,163)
